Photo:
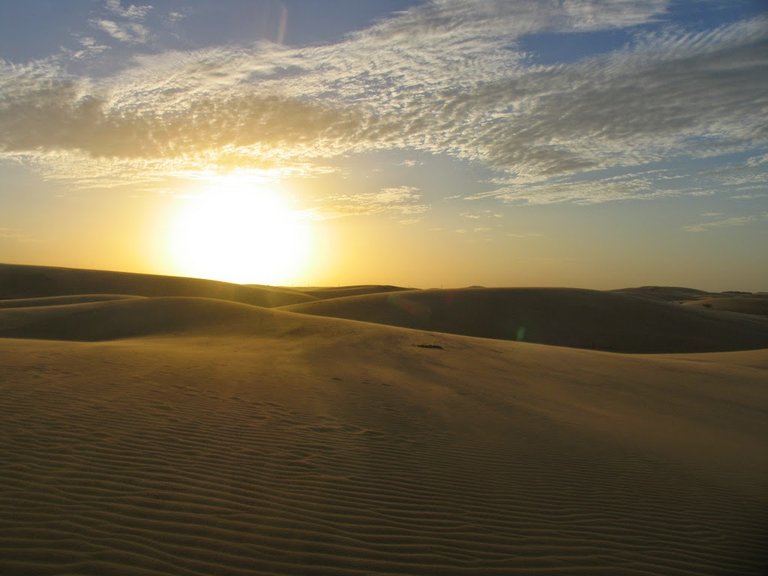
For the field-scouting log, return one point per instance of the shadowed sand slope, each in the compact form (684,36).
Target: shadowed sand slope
(756,304)
(265,442)
(18,281)
(557,316)
(343,291)
(132,317)
(664,293)
(741,302)
(62,300)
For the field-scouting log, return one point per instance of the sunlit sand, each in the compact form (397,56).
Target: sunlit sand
(157,425)
(409,287)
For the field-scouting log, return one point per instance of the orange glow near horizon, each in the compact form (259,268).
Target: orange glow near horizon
(238,230)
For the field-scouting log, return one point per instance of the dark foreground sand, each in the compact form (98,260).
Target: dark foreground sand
(191,436)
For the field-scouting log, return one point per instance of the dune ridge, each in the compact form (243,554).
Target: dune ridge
(131,317)
(665,293)
(558,316)
(326,293)
(732,301)
(562,317)
(62,300)
(19,281)
(751,304)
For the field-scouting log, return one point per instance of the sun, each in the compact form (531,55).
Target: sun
(239,231)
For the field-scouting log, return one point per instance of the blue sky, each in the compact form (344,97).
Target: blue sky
(581,142)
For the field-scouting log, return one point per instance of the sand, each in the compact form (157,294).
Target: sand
(741,302)
(196,436)
(326,293)
(744,304)
(17,281)
(665,293)
(570,317)
(59,300)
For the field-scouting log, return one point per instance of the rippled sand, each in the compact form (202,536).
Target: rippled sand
(184,436)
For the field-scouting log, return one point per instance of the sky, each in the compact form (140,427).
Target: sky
(433,143)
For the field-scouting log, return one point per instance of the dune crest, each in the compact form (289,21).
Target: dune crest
(62,300)
(134,317)
(745,304)
(17,281)
(557,316)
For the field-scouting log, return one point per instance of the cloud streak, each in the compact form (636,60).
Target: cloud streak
(447,77)
(404,202)
(124,24)
(734,221)
(16,236)
(129,32)
(132,12)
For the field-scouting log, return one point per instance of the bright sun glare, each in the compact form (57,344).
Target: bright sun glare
(239,231)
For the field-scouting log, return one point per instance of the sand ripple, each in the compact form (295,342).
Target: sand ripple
(201,456)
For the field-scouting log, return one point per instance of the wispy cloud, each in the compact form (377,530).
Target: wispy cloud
(131,12)
(177,16)
(15,235)
(124,23)
(404,202)
(87,48)
(731,222)
(129,32)
(481,214)
(446,77)
(630,186)
(757,161)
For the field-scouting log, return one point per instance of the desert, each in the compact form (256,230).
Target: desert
(383,287)
(152,433)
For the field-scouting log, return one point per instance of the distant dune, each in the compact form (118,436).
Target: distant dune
(342,291)
(59,300)
(129,318)
(665,293)
(558,316)
(35,281)
(744,304)
(151,436)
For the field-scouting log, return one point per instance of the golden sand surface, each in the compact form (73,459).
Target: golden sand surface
(195,436)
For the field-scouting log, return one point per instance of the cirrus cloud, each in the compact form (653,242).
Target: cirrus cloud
(446,77)
(404,202)
(731,222)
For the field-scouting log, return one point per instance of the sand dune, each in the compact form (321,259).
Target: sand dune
(742,302)
(59,300)
(558,316)
(18,281)
(325,293)
(197,436)
(745,304)
(664,293)
(234,440)
(130,318)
